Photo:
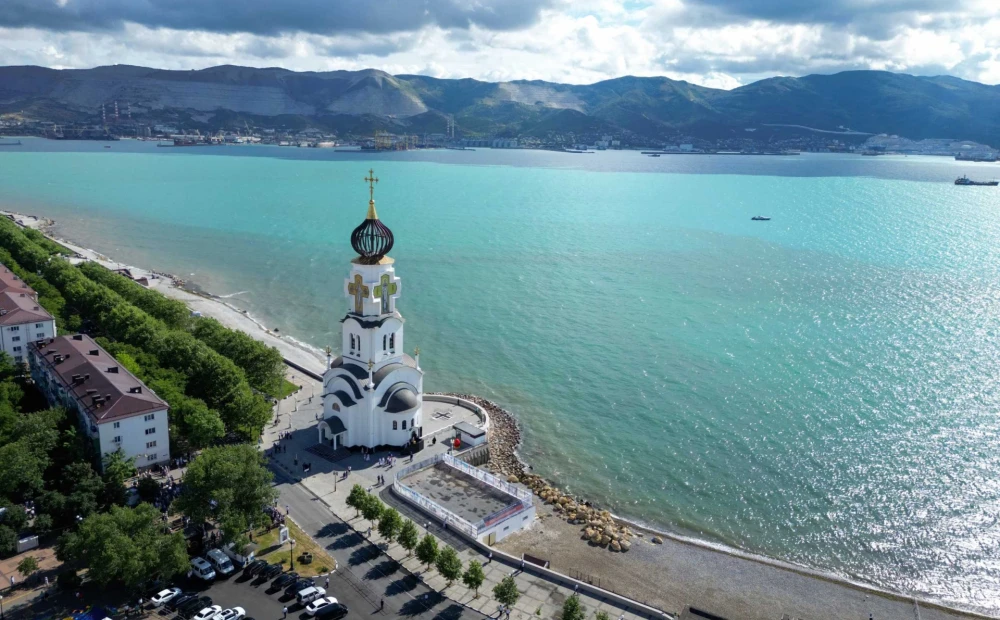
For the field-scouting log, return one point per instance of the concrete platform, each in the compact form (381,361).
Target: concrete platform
(459,493)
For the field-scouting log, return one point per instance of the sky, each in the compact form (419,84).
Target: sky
(717,43)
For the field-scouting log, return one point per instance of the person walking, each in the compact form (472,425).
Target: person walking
(489,559)
(327,585)
(381,605)
(284,612)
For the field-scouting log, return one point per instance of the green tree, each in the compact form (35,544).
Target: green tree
(573,609)
(126,547)
(117,469)
(148,489)
(389,524)
(8,541)
(473,577)
(408,536)
(602,615)
(356,498)
(449,564)
(372,508)
(42,525)
(506,592)
(230,485)
(83,488)
(427,550)
(27,566)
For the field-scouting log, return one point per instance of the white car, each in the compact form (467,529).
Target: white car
(208,612)
(236,613)
(310,594)
(164,596)
(319,604)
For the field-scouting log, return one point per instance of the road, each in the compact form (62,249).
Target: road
(364,576)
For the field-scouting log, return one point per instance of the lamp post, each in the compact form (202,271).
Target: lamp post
(291,555)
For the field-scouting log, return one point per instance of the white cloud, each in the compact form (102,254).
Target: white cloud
(579,42)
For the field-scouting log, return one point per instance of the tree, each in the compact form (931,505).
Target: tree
(230,485)
(427,550)
(148,489)
(8,541)
(389,524)
(602,615)
(126,547)
(473,577)
(573,609)
(506,592)
(372,508)
(117,469)
(27,566)
(408,536)
(449,564)
(357,498)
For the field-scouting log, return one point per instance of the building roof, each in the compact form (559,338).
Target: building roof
(102,386)
(402,400)
(469,429)
(18,307)
(10,281)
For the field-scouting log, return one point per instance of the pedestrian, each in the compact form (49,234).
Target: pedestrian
(381,605)
(46,582)
(327,585)
(284,612)
(489,559)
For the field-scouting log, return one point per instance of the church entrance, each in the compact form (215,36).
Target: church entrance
(332,433)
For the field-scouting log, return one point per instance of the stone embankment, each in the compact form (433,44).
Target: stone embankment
(598,527)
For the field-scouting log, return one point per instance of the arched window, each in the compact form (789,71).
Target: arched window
(383,342)
(392,342)
(394,425)
(352,343)
(404,425)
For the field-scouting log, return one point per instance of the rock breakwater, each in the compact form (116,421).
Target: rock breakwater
(598,527)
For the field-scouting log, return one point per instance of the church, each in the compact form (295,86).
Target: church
(373,392)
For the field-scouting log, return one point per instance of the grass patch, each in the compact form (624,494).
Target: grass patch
(287,388)
(268,550)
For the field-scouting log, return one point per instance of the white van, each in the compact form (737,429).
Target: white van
(202,569)
(310,594)
(221,563)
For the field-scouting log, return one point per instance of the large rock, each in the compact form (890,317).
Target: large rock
(615,546)
(626,545)
(657,540)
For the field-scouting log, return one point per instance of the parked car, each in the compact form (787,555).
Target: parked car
(223,565)
(164,596)
(191,607)
(310,594)
(253,568)
(231,614)
(208,612)
(318,604)
(177,601)
(283,581)
(298,585)
(271,571)
(201,569)
(337,611)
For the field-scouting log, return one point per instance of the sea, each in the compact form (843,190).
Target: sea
(822,388)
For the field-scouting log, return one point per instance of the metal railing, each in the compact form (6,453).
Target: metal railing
(490,479)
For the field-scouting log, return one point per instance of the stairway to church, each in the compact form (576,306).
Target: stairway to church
(325,452)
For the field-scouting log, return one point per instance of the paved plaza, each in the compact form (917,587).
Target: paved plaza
(330,483)
(458,492)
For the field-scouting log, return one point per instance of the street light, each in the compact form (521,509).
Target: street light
(291,542)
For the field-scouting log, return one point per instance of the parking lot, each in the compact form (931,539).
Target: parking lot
(257,597)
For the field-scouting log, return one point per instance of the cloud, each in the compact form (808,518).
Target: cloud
(269,17)
(719,43)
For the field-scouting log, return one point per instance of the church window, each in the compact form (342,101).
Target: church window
(404,425)
(392,342)
(383,342)
(394,423)
(352,343)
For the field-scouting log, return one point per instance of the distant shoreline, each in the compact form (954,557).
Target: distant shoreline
(312,359)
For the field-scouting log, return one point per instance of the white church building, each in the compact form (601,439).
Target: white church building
(373,392)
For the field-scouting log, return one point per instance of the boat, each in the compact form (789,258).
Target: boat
(18,143)
(106,146)
(760,218)
(964,180)
(654,154)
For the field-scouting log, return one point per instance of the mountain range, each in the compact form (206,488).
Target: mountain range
(652,108)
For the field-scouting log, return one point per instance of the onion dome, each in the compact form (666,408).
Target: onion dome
(372,239)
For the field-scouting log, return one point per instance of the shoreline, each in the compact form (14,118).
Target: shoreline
(507,460)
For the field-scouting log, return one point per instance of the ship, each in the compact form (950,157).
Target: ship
(979,158)
(760,218)
(18,143)
(964,180)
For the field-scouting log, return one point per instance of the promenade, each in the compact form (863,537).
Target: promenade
(297,414)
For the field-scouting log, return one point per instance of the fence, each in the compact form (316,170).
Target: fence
(490,479)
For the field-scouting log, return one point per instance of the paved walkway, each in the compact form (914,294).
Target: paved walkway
(540,598)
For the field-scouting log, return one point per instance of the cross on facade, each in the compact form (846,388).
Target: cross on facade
(371,180)
(360,292)
(384,291)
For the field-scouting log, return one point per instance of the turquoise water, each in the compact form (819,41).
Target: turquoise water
(821,388)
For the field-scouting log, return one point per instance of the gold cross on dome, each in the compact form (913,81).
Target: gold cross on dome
(371,179)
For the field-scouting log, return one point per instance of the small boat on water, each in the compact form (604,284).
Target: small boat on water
(18,143)
(964,180)
(760,218)
(654,154)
